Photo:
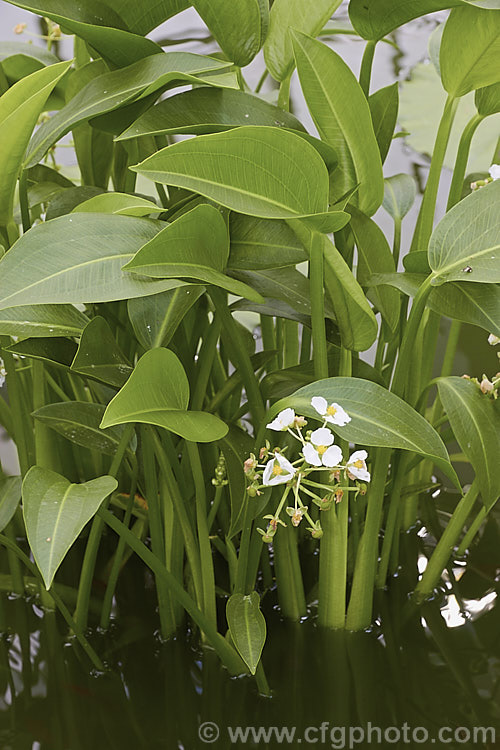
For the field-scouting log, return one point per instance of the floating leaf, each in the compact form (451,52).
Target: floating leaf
(475,421)
(247,627)
(10,496)
(157,393)
(55,512)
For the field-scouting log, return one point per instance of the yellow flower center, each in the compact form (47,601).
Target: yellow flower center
(321,449)
(358,464)
(277,470)
(331,411)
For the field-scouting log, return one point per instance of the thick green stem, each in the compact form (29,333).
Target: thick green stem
(472,531)
(243,554)
(392,520)
(425,221)
(365,73)
(289,574)
(359,613)
(284,93)
(316,267)
(444,548)
(460,169)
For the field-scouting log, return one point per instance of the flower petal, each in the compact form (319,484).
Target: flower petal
(319,403)
(341,417)
(268,472)
(357,456)
(285,464)
(275,425)
(332,456)
(311,455)
(323,436)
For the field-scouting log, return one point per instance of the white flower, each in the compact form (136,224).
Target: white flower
(333,413)
(493,340)
(3,373)
(284,421)
(494,171)
(278,471)
(321,451)
(356,466)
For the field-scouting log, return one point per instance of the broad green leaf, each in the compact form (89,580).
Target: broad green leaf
(119,88)
(10,496)
(78,421)
(104,27)
(417,262)
(157,393)
(208,110)
(99,356)
(195,246)
(265,172)
(487,100)
(355,318)
(478,304)
(260,244)
(378,418)
(122,204)
(292,14)
(342,115)
(374,254)
(399,195)
(280,309)
(240,27)
(77,258)
(42,321)
(384,105)
(373,19)
(247,627)
(470,50)
(58,352)
(55,512)
(475,421)
(156,318)
(19,60)
(422,99)
(65,201)
(465,245)
(20,108)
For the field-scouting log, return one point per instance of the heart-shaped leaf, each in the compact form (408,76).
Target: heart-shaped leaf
(77,258)
(247,627)
(42,321)
(378,418)
(465,245)
(99,356)
(239,27)
(475,421)
(157,393)
(341,113)
(265,172)
(10,496)
(156,318)
(195,246)
(55,512)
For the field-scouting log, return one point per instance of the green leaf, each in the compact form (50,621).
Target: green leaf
(195,246)
(342,115)
(475,421)
(58,352)
(208,110)
(247,627)
(99,356)
(465,244)
(384,105)
(487,100)
(373,19)
(42,321)
(55,512)
(118,88)
(78,421)
(77,258)
(292,14)
(260,244)
(20,108)
(64,201)
(239,27)
(374,254)
(10,495)
(399,195)
(156,318)
(265,172)
(378,418)
(470,50)
(157,393)
(122,204)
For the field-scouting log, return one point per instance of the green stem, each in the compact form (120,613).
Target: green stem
(365,73)
(392,520)
(444,548)
(226,652)
(284,93)
(207,565)
(94,540)
(396,243)
(359,613)
(460,169)
(23,201)
(242,567)
(472,531)
(316,267)
(204,364)
(289,575)
(425,221)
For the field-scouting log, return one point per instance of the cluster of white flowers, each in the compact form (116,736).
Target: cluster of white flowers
(318,453)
